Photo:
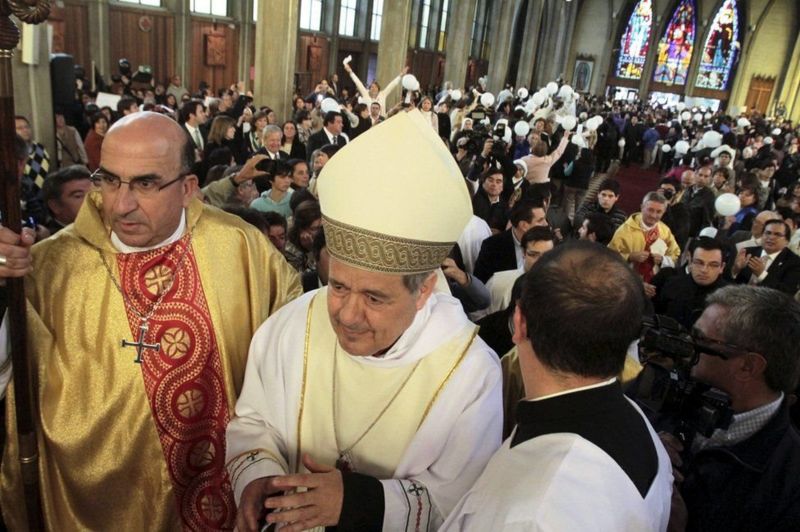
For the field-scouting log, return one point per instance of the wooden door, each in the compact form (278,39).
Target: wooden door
(759,93)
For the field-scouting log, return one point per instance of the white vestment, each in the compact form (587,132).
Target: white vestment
(438,439)
(499,286)
(563,482)
(476,231)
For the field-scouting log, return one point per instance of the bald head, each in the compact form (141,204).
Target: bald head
(762,218)
(162,136)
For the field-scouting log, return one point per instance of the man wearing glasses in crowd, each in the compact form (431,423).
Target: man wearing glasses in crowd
(772,264)
(137,349)
(745,477)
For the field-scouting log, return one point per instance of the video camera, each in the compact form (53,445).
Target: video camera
(665,386)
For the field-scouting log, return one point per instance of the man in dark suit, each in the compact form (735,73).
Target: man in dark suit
(503,251)
(331,133)
(772,264)
(271,143)
(191,116)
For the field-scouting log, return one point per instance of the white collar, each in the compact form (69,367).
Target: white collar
(575,390)
(124,248)
(770,255)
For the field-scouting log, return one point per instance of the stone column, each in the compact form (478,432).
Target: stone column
(246,36)
(393,46)
(533,20)
(276,50)
(501,25)
(461,14)
(790,91)
(99,39)
(33,96)
(183,35)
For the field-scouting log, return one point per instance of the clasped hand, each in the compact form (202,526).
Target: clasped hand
(319,505)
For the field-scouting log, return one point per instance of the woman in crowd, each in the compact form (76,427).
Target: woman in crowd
(94,140)
(253,137)
(307,222)
(221,135)
(426,108)
(291,142)
(748,197)
(362,120)
(374,94)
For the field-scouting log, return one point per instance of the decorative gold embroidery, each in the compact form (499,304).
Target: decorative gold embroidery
(447,377)
(303,384)
(383,253)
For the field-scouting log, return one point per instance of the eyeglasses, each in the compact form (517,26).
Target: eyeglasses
(724,350)
(770,233)
(142,186)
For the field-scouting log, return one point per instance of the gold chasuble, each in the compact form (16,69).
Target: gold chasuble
(141,446)
(331,423)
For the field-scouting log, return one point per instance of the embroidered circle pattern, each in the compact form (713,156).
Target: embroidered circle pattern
(184,382)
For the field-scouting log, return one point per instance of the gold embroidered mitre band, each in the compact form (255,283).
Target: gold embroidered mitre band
(384,253)
(394,200)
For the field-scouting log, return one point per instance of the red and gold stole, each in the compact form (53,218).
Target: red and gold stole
(183,381)
(645,268)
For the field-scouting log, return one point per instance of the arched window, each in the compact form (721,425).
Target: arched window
(675,47)
(635,41)
(721,51)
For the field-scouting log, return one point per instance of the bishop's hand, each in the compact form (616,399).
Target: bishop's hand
(15,252)
(320,505)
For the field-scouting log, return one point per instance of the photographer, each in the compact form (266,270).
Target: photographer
(746,477)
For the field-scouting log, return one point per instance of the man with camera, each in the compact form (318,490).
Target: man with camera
(746,477)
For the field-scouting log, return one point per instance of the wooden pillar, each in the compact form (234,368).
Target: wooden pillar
(276,50)
(461,14)
(393,46)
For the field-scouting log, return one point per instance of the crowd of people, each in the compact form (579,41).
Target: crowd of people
(469,250)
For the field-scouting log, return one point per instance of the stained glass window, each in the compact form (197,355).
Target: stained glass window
(721,51)
(675,47)
(635,40)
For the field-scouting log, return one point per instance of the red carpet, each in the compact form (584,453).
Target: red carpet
(635,183)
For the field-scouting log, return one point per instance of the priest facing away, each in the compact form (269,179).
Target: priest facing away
(582,456)
(371,404)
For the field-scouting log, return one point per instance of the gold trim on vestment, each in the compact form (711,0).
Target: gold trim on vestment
(303,385)
(447,377)
(239,469)
(378,252)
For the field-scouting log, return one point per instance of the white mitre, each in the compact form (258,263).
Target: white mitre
(393,200)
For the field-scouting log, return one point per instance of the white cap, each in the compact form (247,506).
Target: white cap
(394,199)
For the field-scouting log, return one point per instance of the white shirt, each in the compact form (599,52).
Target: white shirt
(769,263)
(194,132)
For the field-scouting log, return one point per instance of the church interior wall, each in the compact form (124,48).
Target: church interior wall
(593,39)
(770,46)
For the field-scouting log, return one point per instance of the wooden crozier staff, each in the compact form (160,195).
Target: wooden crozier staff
(31,12)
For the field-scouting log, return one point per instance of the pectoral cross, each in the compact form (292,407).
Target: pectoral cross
(140,344)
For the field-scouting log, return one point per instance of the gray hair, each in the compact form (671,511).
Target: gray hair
(413,281)
(270,129)
(656,197)
(764,321)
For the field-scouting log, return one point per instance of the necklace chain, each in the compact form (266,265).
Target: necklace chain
(346,452)
(146,316)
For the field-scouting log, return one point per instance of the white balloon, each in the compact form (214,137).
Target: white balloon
(328,105)
(522,93)
(712,139)
(565,92)
(408,82)
(569,123)
(537,99)
(552,88)
(504,95)
(686,116)
(681,147)
(776,132)
(621,143)
(507,135)
(487,99)
(455,95)
(743,122)
(698,117)
(522,128)
(681,106)
(703,109)
(592,124)
(415,85)
(666,148)
(727,204)
(583,116)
